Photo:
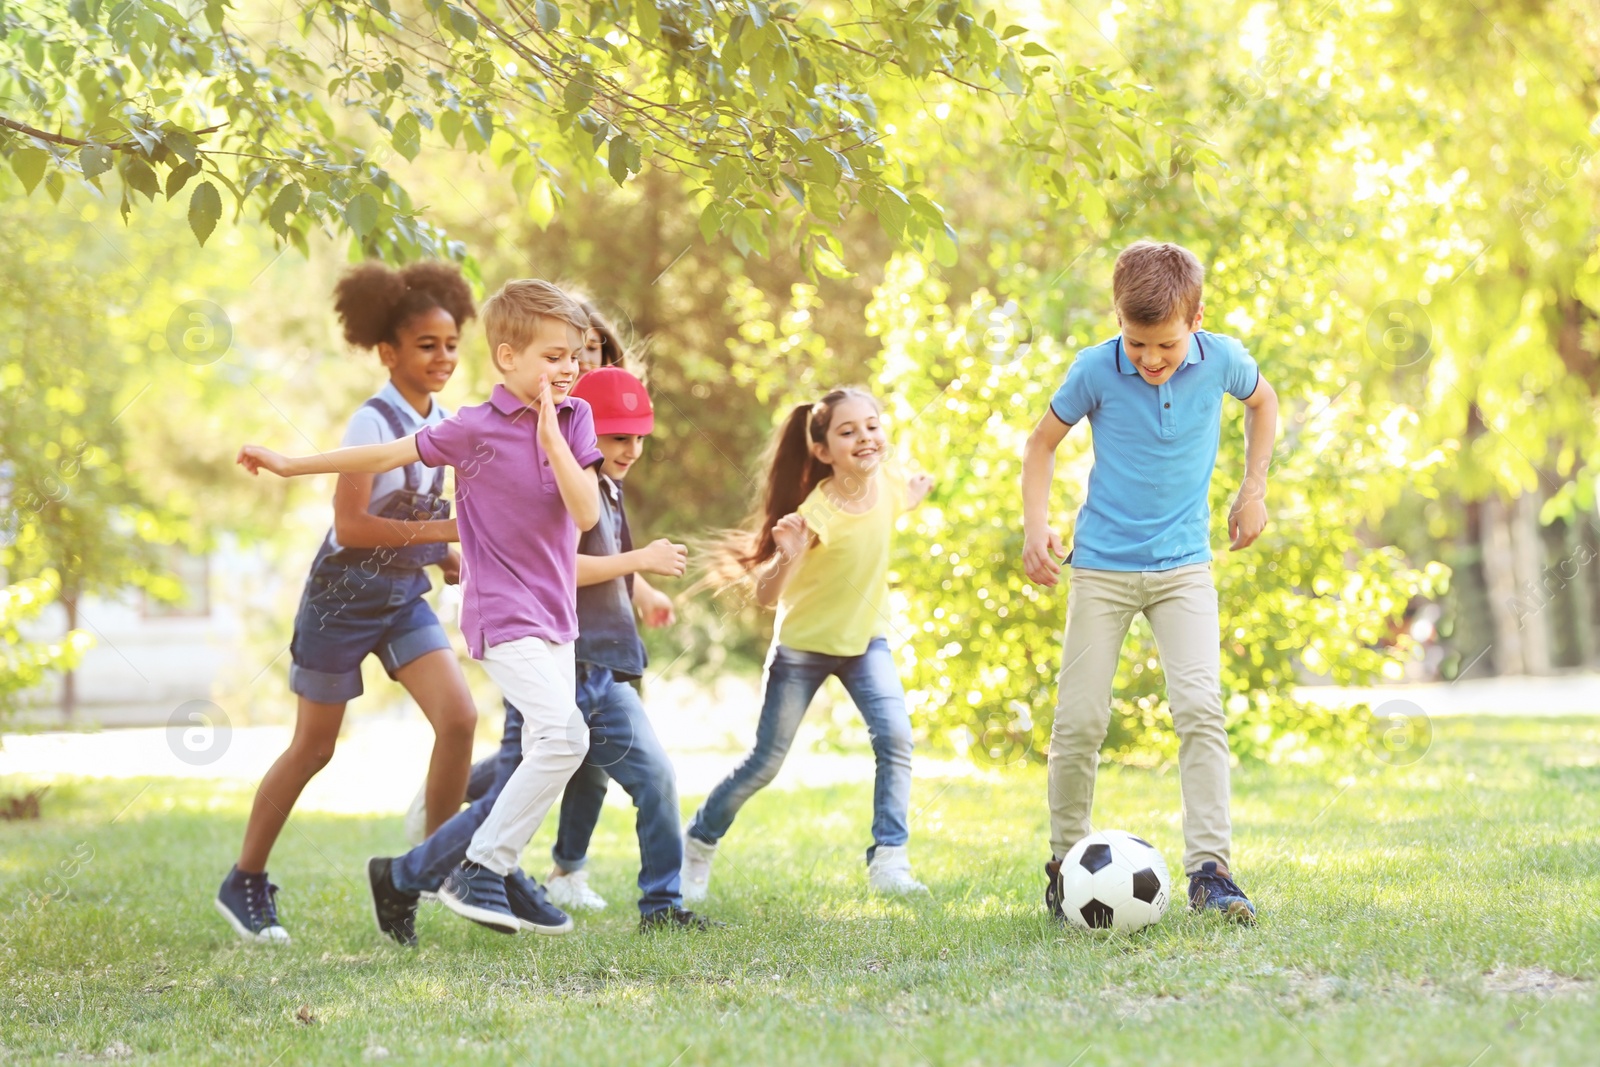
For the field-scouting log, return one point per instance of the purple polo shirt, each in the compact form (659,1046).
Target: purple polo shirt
(519,545)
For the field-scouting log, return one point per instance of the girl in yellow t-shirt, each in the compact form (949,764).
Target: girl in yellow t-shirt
(819,549)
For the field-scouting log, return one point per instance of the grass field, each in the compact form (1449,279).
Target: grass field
(1446,912)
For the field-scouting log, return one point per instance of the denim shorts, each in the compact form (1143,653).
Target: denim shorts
(347,613)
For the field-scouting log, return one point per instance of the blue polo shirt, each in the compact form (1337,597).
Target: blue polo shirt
(1155,447)
(607,635)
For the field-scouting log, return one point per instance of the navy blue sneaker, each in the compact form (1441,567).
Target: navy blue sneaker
(1211,888)
(477,893)
(1053,890)
(532,907)
(675,918)
(395,909)
(249,903)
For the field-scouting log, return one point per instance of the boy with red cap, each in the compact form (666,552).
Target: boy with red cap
(622,743)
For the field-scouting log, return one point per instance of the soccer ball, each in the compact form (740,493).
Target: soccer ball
(1112,879)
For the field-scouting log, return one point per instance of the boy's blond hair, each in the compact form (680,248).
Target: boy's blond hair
(1154,282)
(511,316)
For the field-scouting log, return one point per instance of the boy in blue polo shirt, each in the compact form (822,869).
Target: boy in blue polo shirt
(1153,398)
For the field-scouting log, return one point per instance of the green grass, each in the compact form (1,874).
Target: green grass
(1442,913)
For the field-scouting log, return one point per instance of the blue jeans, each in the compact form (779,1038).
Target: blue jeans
(424,867)
(623,745)
(793,678)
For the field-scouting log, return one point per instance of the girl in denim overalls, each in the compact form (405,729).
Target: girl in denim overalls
(364,595)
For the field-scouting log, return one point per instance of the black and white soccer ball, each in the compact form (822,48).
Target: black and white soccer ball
(1114,880)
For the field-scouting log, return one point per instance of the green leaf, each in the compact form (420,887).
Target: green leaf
(179,176)
(95,160)
(1012,31)
(830,265)
(138,175)
(796,190)
(757,10)
(548,14)
(541,202)
(33,50)
(205,208)
(362,214)
(283,205)
(450,126)
(1034,48)
(710,222)
(407,136)
(28,164)
(648,18)
(617,158)
(463,23)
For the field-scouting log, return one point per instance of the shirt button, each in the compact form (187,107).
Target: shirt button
(1166,405)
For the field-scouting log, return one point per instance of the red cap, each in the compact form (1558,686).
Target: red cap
(619,401)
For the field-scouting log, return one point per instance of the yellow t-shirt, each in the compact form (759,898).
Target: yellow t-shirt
(838,599)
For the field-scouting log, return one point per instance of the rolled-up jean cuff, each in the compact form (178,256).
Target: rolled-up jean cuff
(411,645)
(322,687)
(570,866)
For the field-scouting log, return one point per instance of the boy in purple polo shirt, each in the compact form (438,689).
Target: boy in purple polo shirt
(525,486)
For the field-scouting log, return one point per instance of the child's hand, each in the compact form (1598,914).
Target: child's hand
(1246,519)
(791,534)
(655,607)
(255,459)
(452,566)
(917,488)
(549,425)
(1041,557)
(663,557)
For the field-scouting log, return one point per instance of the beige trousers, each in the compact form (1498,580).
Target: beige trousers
(1181,605)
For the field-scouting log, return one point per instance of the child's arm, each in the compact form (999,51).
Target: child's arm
(793,537)
(658,557)
(355,527)
(1041,545)
(654,606)
(580,487)
(917,488)
(357,459)
(1248,516)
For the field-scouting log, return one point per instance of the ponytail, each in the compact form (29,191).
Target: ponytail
(793,471)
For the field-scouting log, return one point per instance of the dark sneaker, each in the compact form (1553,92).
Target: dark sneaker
(249,903)
(395,910)
(676,919)
(477,893)
(1210,888)
(532,907)
(1052,890)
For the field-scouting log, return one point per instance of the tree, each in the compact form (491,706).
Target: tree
(769,109)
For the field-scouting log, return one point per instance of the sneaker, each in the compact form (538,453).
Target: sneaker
(1210,888)
(417,816)
(1053,890)
(532,908)
(395,909)
(676,918)
(475,892)
(570,889)
(250,904)
(890,872)
(696,876)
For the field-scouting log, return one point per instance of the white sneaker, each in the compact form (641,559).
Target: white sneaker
(890,872)
(696,878)
(417,816)
(571,890)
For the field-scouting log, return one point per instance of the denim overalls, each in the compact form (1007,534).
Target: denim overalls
(370,600)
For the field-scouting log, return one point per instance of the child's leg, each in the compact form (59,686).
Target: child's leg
(581,802)
(585,794)
(537,677)
(425,867)
(793,678)
(316,729)
(436,683)
(622,739)
(873,683)
(1183,616)
(1100,607)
